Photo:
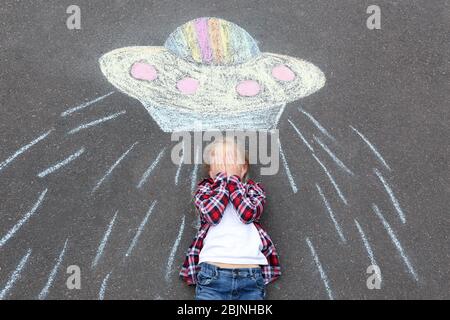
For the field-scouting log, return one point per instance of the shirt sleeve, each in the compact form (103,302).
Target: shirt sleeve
(211,198)
(248,199)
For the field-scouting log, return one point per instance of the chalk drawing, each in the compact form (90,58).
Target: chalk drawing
(15,275)
(330,177)
(147,173)
(211,70)
(24,219)
(44,292)
(333,156)
(367,246)
(6,162)
(85,105)
(301,136)
(174,250)
(396,242)
(389,191)
(195,170)
(372,147)
(96,122)
(331,214)
(140,229)
(101,293)
(111,169)
(288,171)
(320,268)
(61,164)
(177,174)
(104,240)
(317,124)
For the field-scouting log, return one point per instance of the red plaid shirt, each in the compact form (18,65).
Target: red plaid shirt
(211,199)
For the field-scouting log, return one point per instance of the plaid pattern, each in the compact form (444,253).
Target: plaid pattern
(211,198)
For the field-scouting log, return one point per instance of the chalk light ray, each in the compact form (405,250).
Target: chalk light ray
(23,220)
(323,275)
(24,148)
(140,229)
(85,105)
(174,250)
(111,169)
(44,292)
(396,242)
(317,124)
(96,122)
(337,226)
(15,275)
(288,171)
(391,194)
(333,182)
(61,164)
(373,148)
(104,241)
(150,169)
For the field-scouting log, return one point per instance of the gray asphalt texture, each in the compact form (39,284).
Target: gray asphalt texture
(391,84)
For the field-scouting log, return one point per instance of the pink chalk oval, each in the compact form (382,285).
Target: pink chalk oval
(143,71)
(248,88)
(188,85)
(283,73)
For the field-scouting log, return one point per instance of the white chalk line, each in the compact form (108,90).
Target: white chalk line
(102,244)
(85,105)
(301,136)
(372,147)
(317,124)
(288,171)
(44,292)
(174,250)
(147,172)
(140,229)
(15,275)
(101,293)
(24,219)
(195,170)
(111,169)
(61,164)
(333,182)
(96,122)
(367,246)
(321,271)
(395,241)
(389,191)
(23,149)
(333,156)
(331,214)
(177,174)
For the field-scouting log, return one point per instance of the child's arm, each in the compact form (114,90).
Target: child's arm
(211,198)
(248,199)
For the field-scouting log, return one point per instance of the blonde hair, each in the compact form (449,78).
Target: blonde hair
(242,156)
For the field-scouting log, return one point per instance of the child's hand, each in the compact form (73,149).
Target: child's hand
(227,160)
(215,168)
(233,167)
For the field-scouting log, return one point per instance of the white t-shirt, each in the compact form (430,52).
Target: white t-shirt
(232,241)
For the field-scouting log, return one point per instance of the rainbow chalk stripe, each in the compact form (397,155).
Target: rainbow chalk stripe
(212,41)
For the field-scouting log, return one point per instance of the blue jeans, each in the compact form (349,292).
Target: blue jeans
(214,283)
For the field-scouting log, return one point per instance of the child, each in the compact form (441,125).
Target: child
(231,257)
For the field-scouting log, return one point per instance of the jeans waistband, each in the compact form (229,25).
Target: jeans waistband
(230,271)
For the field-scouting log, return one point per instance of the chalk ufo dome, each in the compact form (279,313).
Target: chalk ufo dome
(210,74)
